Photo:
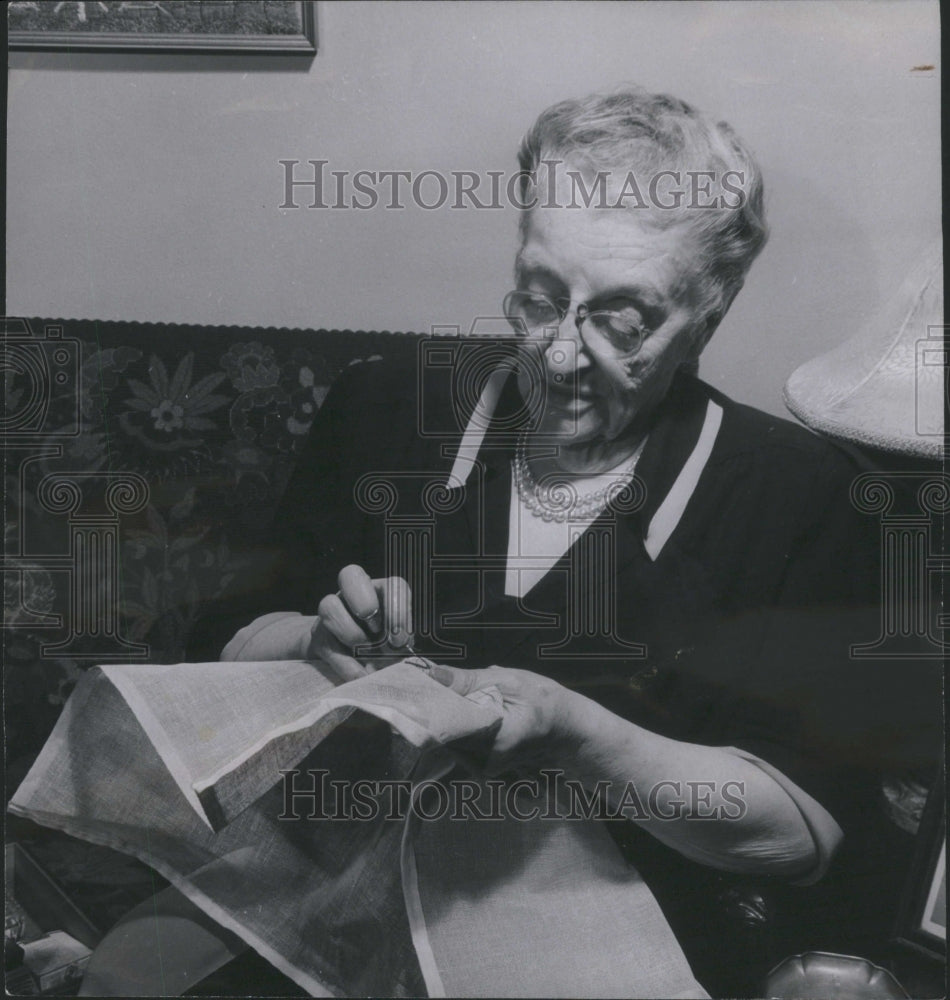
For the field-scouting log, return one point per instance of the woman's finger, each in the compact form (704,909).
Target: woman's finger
(395,596)
(325,646)
(458,679)
(337,619)
(360,597)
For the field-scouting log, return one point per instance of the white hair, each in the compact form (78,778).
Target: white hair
(634,130)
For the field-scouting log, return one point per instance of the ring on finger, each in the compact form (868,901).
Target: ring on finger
(373,621)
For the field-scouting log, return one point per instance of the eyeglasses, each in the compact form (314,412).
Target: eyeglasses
(612,333)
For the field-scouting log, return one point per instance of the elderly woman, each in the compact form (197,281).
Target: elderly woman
(670,651)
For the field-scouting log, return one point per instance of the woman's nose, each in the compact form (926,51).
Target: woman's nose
(565,354)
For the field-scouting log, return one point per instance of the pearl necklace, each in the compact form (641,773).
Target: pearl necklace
(559,501)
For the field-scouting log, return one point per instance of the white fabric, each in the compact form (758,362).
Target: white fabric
(177,764)
(535,545)
(578,922)
(163,946)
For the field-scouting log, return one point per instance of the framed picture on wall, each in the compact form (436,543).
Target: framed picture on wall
(164,25)
(922,920)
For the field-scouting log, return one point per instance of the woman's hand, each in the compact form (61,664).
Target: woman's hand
(537,720)
(545,725)
(366,625)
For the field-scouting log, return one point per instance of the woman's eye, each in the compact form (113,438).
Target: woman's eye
(628,318)
(623,307)
(537,307)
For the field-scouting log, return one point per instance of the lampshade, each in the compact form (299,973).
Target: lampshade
(884,386)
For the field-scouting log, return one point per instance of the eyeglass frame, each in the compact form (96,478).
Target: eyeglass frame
(582,313)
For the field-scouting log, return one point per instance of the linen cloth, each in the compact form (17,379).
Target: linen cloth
(177,765)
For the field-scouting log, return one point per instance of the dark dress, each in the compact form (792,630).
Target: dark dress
(735,632)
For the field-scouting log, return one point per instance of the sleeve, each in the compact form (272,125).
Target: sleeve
(830,719)
(776,680)
(277,636)
(803,710)
(825,833)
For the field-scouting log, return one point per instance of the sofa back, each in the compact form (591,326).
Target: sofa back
(143,462)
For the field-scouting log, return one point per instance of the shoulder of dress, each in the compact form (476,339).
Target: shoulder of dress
(750,433)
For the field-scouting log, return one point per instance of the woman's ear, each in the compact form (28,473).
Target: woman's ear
(702,333)
(713,319)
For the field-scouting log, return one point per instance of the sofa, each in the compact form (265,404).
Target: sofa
(171,444)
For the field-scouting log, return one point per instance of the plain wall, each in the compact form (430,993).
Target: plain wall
(146,187)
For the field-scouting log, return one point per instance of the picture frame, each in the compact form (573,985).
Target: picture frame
(922,917)
(199,26)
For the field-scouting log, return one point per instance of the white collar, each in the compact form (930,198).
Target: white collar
(670,511)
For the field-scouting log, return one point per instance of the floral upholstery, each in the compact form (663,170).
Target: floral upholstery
(212,419)
(174,443)
(195,430)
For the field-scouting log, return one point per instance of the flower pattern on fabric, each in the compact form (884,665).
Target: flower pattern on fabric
(305,401)
(171,565)
(214,427)
(168,415)
(172,404)
(28,591)
(100,374)
(251,366)
(245,458)
(213,421)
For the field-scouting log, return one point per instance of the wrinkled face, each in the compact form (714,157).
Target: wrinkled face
(610,259)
